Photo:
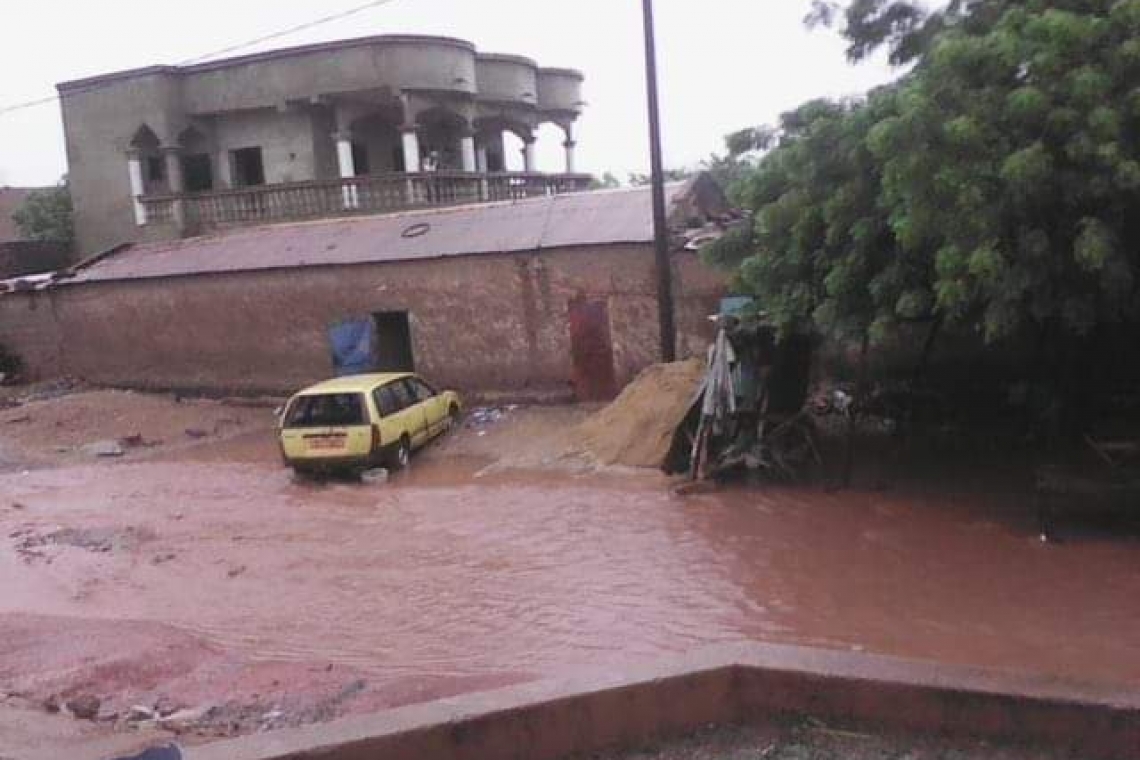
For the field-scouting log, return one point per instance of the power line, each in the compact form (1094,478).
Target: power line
(286,32)
(223,51)
(28,104)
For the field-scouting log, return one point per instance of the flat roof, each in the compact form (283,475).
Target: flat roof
(268,55)
(317,47)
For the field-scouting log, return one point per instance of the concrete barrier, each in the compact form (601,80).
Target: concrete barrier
(727,684)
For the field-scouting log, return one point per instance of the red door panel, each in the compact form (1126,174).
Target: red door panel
(592,350)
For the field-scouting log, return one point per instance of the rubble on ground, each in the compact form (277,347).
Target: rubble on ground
(32,545)
(103,449)
(483,416)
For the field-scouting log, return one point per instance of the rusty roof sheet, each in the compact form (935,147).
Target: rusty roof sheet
(579,219)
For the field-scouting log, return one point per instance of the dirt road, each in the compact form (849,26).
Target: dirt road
(195,588)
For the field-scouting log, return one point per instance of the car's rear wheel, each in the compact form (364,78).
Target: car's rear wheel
(402,455)
(453,417)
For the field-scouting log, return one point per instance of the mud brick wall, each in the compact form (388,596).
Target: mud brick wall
(478,323)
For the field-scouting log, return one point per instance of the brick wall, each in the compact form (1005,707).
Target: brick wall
(479,323)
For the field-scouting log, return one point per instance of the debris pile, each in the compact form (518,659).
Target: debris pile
(483,417)
(32,545)
(637,429)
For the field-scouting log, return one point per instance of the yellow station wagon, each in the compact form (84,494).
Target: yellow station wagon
(363,421)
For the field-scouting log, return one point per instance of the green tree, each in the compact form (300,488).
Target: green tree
(905,27)
(819,253)
(995,186)
(607,182)
(671,175)
(46,215)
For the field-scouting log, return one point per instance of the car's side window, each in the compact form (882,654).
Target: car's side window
(386,400)
(419,389)
(404,398)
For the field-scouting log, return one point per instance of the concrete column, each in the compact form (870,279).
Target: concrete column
(224,166)
(172,155)
(135,172)
(530,158)
(347,165)
(481,167)
(411,143)
(173,158)
(467,147)
(570,162)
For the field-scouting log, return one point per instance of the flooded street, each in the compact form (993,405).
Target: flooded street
(214,577)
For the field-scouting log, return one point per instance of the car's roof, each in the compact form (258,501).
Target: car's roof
(353,383)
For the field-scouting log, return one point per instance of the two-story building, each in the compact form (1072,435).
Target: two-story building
(356,126)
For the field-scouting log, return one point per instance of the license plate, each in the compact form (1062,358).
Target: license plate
(325,444)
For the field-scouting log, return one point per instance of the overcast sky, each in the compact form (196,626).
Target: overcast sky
(724,64)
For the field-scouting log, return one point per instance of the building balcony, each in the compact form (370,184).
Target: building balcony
(197,213)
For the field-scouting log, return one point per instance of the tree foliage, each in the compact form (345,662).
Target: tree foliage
(46,215)
(730,169)
(671,175)
(995,186)
(607,182)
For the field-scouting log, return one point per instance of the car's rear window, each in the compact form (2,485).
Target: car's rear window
(326,410)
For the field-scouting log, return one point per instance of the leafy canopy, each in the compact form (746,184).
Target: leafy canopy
(45,215)
(995,186)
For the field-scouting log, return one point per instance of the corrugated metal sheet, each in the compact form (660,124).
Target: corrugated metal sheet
(581,219)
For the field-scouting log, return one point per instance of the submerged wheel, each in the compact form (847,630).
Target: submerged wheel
(453,417)
(402,455)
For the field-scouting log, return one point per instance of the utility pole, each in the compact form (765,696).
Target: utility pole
(668,328)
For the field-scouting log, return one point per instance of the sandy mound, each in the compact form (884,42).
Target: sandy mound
(637,429)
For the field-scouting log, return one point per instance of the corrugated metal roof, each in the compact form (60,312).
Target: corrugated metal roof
(579,219)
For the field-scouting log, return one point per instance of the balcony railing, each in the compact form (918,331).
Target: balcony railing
(378,193)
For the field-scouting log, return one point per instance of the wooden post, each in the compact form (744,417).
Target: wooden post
(666,322)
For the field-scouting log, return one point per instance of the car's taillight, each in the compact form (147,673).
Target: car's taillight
(375,437)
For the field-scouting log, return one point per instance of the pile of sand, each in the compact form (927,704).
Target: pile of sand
(637,429)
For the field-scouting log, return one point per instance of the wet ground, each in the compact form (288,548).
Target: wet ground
(199,589)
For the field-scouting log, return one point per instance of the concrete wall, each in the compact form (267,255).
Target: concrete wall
(99,124)
(479,323)
(508,78)
(323,126)
(286,140)
(628,708)
(261,100)
(260,81)
(560,90)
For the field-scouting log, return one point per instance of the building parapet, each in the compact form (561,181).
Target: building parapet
(196,213)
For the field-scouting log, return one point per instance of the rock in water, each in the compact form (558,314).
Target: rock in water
(104,449)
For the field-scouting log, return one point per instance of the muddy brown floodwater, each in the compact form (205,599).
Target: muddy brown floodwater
(216,579)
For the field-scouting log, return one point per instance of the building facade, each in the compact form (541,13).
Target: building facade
(551,298)
(357,126)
